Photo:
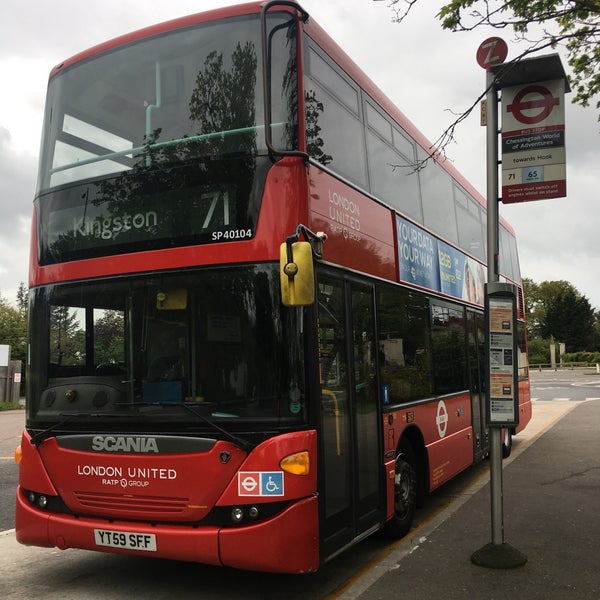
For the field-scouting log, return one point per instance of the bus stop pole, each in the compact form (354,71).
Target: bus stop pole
(493,276)
(497,554)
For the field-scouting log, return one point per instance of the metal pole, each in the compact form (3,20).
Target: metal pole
(493,254)
(497,554)
(492,178)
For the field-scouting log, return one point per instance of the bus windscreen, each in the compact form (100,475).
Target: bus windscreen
(160,142)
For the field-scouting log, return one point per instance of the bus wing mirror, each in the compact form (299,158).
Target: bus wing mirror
(267,52)
(296,274)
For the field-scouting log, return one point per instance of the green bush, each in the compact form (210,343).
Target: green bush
(581,357)
(539,351)
(9,405)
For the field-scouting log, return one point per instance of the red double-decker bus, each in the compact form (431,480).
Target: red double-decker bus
(256,329)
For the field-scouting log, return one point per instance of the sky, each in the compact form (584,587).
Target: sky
(430,74)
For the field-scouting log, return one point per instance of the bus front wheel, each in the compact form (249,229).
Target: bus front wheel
(405,493)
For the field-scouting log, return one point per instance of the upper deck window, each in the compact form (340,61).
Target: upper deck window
(334,129)
(378,123)
(471,228)
(160,142)
(333,81)
(192,92)
(438,199)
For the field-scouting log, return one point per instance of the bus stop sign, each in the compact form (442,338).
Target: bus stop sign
(491,52)
(540,103)
(533,142)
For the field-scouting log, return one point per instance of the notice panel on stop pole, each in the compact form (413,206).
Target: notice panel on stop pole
(533,142)
(502,394)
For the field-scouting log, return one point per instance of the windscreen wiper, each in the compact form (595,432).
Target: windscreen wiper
(244,444)
(43,435)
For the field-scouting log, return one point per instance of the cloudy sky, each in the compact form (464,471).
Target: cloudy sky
(429,73)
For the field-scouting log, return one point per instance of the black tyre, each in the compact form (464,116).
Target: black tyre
(405,493)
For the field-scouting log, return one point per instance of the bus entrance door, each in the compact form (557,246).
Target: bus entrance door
(350,468)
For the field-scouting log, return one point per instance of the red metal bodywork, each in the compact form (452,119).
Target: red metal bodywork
(120,489)
(524,405)
(360,232)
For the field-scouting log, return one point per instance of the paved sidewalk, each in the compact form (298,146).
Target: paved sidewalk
(551,515)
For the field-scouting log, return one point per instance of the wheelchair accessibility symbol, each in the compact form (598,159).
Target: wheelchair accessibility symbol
(272,484)
(260,483)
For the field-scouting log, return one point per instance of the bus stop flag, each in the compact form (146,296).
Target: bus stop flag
(533,141)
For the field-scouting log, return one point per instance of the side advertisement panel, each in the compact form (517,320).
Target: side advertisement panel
(430,263)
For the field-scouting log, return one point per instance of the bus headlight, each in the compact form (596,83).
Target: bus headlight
(43,501)
(237,515)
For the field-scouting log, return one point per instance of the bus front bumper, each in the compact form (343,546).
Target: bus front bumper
(286,543)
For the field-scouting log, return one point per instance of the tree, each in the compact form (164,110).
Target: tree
(538,296)
(572,24)
(557,310)
(13,330)
(596,333)
(109,337)
(569,319)
(67,338)
(532,307)
(539,351)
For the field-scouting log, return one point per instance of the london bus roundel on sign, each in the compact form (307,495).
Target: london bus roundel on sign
(491,52)
(441,418)
(537,100)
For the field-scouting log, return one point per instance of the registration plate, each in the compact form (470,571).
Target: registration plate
(125,539)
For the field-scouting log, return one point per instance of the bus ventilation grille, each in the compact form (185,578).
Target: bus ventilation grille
(128,503)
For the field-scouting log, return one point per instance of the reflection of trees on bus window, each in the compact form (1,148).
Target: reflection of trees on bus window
(109,332)
(284,86)
(222,103)
(314,142)
(421,345)
(224,100)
